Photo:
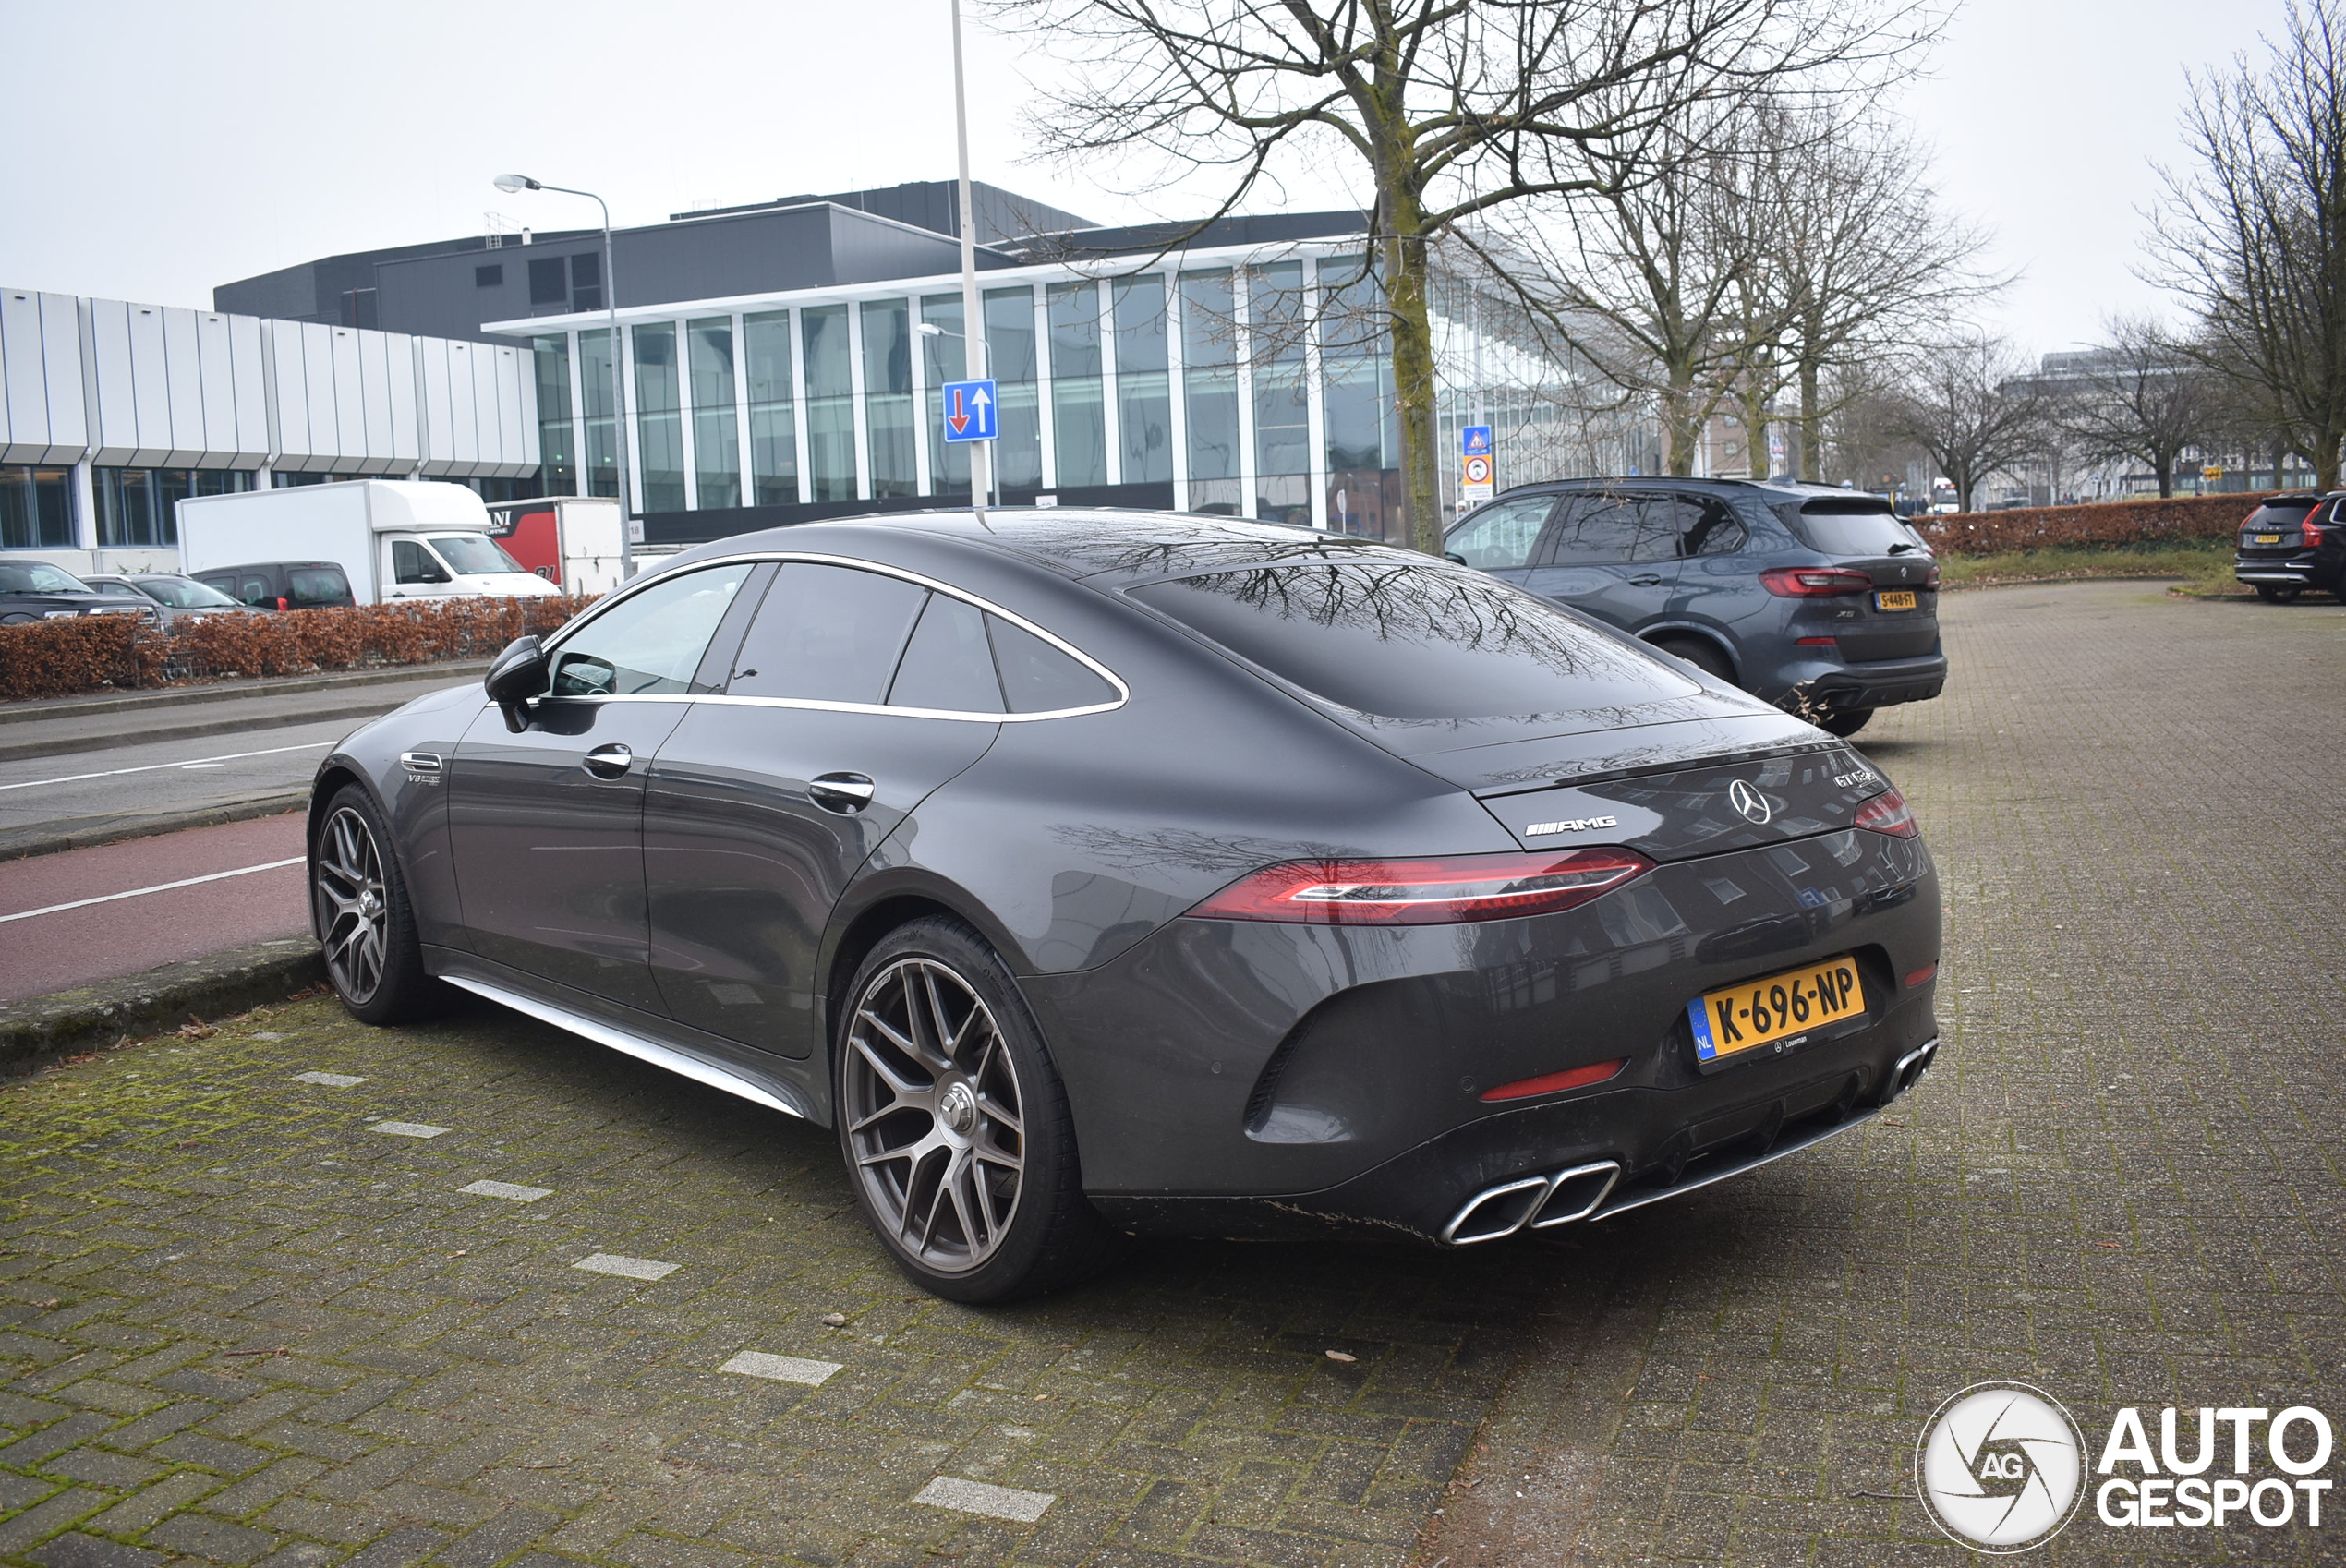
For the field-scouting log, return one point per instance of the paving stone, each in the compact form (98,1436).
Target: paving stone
(197,1535)
(981,1497)
(75,1549)
(782,1369)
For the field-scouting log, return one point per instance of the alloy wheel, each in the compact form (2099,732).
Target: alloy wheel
(352,902)
(934,1112)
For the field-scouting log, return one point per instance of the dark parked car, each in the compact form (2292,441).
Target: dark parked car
(174,597)
(1820,600)
(34,590)
(281,584)
(1105,872)
(2293,543)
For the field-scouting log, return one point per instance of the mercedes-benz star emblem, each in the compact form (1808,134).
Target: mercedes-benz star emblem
(1750,802)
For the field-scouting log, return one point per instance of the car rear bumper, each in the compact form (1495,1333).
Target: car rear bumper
(2301,572)
(1877,684)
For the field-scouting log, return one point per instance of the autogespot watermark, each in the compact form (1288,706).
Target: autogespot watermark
(2001,1467)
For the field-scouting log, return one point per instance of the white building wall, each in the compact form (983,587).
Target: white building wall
(41,417)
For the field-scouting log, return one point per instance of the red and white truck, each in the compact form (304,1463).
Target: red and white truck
(571,541)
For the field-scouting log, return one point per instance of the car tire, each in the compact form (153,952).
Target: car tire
(2272,595)
(955,1125)
(1703,655)
(374,961)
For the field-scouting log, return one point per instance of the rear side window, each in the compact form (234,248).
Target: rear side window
(947,666)
(1039,677)
(1859,525)
(1399,641)
(316,584)
(255,590)
(826,634)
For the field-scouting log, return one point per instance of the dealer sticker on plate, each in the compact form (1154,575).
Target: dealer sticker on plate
(1894,598)
(1761,1012)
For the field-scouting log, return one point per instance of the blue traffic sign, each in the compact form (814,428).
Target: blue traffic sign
(1474,440)
(969,411)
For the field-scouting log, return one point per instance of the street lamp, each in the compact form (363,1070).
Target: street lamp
(511,183)
(973,355)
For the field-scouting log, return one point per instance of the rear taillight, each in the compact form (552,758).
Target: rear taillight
(1813,582)
(2313,532)
(1932,581)
(1425,892)
(1888,813)
(281,602)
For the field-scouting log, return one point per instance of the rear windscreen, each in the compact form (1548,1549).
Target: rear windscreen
(2280,515)
(1851,528)
(1399,640)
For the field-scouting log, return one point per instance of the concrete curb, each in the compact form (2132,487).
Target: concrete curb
(38,1031)
(81,832)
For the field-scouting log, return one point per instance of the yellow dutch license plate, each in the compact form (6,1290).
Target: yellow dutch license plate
(2269,538)
(1781,1007)
(1894,598)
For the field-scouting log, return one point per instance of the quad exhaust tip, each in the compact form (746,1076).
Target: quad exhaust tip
(1533,1202)
(1910,1068)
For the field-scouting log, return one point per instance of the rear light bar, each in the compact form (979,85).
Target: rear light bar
(1888,813)
(1813,582)
(1557,1082)
(1442,891)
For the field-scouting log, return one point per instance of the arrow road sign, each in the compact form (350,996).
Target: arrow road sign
(969,411)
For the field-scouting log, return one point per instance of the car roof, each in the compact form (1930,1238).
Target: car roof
(1790,489)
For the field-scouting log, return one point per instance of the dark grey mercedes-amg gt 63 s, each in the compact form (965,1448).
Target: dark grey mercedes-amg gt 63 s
(1104,873)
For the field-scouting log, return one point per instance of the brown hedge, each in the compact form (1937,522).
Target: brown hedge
(2151,521)
(56,658)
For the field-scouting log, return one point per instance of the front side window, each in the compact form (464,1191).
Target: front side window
(651,641)
(1501,535)
(410,562)
(826,634)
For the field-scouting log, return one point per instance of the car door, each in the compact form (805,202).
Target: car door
(1610,554)
(854,694)
(546,827)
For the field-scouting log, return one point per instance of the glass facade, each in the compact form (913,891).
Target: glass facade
(594,390)
(887,397)
(36,507)
(660,418)
(557,454)
(1362,455)
(1144,385)
(1079,409)
(1010,354)
(943,358)
(1276,323)
(717,447)
(1210,388)
(831,402)
(137,506)
(773,420)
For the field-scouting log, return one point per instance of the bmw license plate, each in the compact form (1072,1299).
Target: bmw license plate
(1781,1007)
(1894,598)
(2269,538)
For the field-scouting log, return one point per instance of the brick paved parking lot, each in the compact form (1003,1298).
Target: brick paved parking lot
(246,1316)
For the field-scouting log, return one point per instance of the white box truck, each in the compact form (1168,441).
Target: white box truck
(394,539)
(572,541)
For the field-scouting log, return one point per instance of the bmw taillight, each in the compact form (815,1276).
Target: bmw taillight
(1440,891)
(1888,813)
(1813,582)
(1932,581)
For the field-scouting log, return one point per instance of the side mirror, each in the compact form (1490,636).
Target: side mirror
(518,674)
(1453,556)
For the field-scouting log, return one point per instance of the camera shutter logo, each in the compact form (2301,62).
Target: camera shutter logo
(2001,1466)
(1750,802)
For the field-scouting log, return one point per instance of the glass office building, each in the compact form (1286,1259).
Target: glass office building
(1245,381)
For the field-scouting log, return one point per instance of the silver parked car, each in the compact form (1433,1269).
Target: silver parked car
(175,598)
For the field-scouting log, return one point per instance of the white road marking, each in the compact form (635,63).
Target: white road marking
(781,1369)
(331,1079)
(980,1497)
(190,766)
(626,1268)
(409,1129)
(158,887)
(507,1189)
(117,772)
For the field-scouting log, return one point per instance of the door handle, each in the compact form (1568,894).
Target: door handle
(610,762)
(846,793)
(1648,581)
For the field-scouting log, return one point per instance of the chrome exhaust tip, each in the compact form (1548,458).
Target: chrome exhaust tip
(1538,1202)
(1908,1070)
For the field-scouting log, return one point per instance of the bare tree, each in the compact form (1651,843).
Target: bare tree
(1444,111)
(1973,408)
(2255,233)
(2145,400)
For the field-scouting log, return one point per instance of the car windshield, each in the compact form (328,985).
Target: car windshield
(1854,527)
(183,593)
(1400,641)
(476,555)
(39,577)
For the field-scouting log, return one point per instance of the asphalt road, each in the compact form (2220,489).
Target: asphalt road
(165,776)
(480,1297)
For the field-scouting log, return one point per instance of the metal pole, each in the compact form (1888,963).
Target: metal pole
(618,375)
(972,319)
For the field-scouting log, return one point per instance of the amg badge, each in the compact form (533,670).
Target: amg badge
(1578,824)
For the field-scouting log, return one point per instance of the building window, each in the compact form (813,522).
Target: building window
(887,397)
(1210,389)
(281,480)
(773,433)
(1144,405)
(716,448)
(1010,359)
(557,454)
(831,402)
(137,507)
(36,508)
(491,276)
(587,281)
(1079,416)
(946,357)
(549,281)
(594,390)
(660,420)
(1363,446)
(1275,326)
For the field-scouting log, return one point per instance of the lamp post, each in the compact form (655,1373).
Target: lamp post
(973,320)
(510,183)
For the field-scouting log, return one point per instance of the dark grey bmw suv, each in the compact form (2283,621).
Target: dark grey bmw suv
(1820,600)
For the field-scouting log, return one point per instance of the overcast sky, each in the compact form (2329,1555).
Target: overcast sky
(156,150)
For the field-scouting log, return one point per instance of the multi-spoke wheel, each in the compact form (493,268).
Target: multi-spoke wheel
(955,1125)
(362,917)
